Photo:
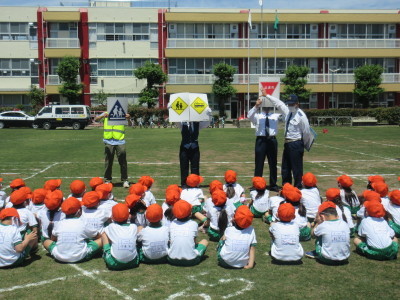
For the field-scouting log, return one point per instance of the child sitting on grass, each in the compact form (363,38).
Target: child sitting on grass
(148,198)
(259,204)
(172,195)
(285,236)
(77,188)
(310,196)
(237,246)
(383,190)
(394,211)
(344,213)
(106,202)
(95,219)
(193,194)
(36,205)
(50,216)
(13,250)
(332,246)
(119,241)
(183,250)
(234,191)
(376,239)
(348,196)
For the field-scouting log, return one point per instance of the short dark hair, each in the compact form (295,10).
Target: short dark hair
(330,211)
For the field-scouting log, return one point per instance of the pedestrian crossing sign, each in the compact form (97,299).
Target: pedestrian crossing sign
(117,113)
(199,105)
(179,105)
(117,110)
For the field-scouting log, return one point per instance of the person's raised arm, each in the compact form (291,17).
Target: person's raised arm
(279,104)
(99,117)
(252,112)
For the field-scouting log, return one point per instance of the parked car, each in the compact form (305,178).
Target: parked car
(75,116)
(16,119)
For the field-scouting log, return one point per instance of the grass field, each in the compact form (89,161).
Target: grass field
(38,155)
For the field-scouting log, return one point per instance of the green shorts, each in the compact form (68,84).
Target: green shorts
(311,220)
(387,253)
(114,264)
(24,254)
(305,233)
(221,262)
(395,227)
(197,209)
(93,250)
(186,263)
(237,204)
(214,235)
(256,213)
(146,260)
(324,260)
(353,209)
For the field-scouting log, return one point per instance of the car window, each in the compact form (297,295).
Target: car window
(46,110)
(12,114)
(62,110)
(77,110)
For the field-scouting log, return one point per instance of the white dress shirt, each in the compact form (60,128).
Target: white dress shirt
(257,117)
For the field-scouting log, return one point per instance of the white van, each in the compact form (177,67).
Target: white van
(75,116)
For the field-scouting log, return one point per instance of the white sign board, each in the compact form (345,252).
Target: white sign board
(272,86)
(188,107)
(117,109)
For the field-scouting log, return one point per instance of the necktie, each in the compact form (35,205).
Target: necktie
(287,124)
(266,126)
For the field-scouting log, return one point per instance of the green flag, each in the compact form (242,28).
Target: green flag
(276,23)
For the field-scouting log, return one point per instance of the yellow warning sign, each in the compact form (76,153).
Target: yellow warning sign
(199,105)
(179,106)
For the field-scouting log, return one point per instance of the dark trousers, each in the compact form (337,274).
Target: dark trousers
(186,156)
(292,162)
(109,153)
(266,147)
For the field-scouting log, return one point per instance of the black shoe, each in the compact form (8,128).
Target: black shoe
(274,188)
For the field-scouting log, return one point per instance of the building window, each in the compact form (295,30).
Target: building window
(198,65)
(63,30)
(15,67)
(348,65)
(281,65)
(203,31)
(122,31)
(18,31)
(363,31)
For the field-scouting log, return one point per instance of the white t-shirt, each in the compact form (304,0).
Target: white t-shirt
(165,221)
(94,220)
(149,198)
(343,198)
(213,212)
(73,195)
(239,190)
(311,200)
(361,212)
(154,241)
(107,206)
(141,220)
(123,241)
(299,220)
(377,232)
(235,251)
(27,218)
(3,197)
(335,237)
(71,245)
(347,213)
(286,245)
(9,238)
(36,208)
(261,204)
(192,195)
(394,210)
(182,235)
(385,202)
(44,217)
(274,203)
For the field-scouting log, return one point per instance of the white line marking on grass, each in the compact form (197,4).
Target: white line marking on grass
(10,173)
(186,294)
(370,142)
(142,288)
(41,171)
(102,282)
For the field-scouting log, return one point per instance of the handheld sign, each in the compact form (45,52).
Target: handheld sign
(117,110)
(188,107)
(272,86)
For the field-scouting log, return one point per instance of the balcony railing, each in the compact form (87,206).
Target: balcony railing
(244,78)
(55,80)
(284,43)
(62,43)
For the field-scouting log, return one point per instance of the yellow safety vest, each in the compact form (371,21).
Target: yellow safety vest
(116,132)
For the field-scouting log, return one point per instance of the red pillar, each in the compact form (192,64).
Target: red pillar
(41,33)
(83,31)
(162,60)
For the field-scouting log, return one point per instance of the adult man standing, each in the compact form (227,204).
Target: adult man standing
(114,141)
(266,124)
(297,137)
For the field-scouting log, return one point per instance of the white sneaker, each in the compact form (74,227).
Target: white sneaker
(126,184)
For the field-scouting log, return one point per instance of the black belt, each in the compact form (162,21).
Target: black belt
(271,137)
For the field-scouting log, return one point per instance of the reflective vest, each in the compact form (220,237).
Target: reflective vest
(116,132)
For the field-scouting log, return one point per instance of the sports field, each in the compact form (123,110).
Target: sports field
(39,155)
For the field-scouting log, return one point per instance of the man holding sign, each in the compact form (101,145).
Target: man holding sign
(115,120)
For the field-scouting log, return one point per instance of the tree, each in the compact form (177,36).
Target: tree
(154,75)
(222,87)
(37,96)
(101,97)
(295,81)
(367,81)
(68,71)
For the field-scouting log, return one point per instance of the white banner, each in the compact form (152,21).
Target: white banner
(272,86)
(117,110)
(188,107)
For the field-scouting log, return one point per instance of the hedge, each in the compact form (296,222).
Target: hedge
(137,111)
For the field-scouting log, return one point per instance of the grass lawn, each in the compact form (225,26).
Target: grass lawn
(39,155)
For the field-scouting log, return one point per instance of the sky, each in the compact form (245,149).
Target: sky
(276,4)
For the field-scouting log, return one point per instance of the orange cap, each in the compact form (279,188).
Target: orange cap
(243,216)
(104,190)
(215,185)
(38,196)
(219,198)
(172,196)
(9,212)
(394,196)
(345,181)
(120,212)
(371,196)
(230,176)
(71,206)
(95,181)
(1,180)
(147,181)
(286,212)
(53,199)
(137,189)
(325,205)
(194,180)
(332,193)
(259,183)
(173,187)
(375,209)
(381,188)
(291,193)
(132,199)
(182,209)
(91,199)
(19,196)
(375,178)
(52,184)
(16,183)
(154,213)
(309,179)
(77,187)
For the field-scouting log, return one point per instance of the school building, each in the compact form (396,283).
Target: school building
(111,39)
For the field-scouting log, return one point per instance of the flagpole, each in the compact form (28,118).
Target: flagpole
(276,12)
(262,42)
(248,63)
